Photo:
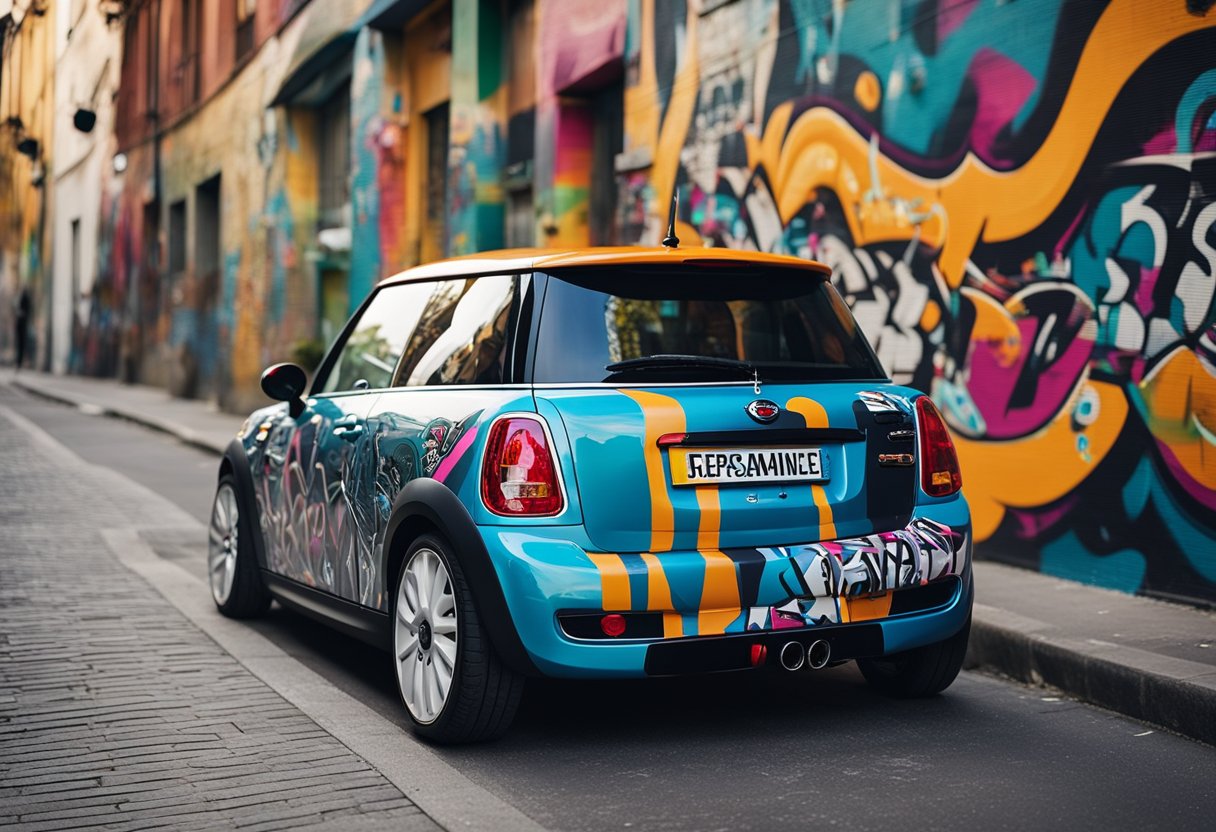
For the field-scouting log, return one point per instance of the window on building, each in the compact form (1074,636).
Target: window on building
(245,13)
(207,230)
(75,268)
(189,29)
(177,237)
(148,296)
(607,141)
(334,155)
(437,122)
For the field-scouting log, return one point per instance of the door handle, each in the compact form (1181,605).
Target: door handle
(349,428)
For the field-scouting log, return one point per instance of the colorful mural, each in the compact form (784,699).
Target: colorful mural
(477,151)
(1019,202)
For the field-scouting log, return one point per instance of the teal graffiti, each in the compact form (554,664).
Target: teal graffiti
(1067,557)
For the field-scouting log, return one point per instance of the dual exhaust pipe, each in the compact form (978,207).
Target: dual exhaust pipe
(794,657)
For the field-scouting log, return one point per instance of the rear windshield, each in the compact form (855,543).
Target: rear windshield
(784,325)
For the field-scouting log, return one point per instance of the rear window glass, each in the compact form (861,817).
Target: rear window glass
(785,325)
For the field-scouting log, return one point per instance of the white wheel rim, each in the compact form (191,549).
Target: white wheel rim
(424,635)
(222,548)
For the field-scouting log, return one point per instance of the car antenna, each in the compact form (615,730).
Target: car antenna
(671,240)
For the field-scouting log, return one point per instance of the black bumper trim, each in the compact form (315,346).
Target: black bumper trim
(717,654)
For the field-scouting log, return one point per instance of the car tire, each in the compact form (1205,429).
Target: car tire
(232,567)
(442,635)
(922,671)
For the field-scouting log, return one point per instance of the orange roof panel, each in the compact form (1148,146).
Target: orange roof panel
(527,259)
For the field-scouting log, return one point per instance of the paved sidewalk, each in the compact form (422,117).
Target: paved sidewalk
(193,422)
(1148,659)
(116,711)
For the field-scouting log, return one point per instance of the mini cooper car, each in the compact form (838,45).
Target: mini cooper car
(602,463)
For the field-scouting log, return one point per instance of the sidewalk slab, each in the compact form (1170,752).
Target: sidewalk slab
(1147,659)
(193,422)
(114,706)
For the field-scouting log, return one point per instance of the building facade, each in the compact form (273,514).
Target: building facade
(1018,198)
(27,113)
(88,55)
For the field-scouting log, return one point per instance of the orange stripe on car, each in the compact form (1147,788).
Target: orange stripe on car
(658,596)
(710,525)
(816,417)
(662,414)
(614,580)
(719,595)
(869,607)
(720,589)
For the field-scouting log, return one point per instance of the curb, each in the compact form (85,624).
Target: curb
(182,434)
(1175,694)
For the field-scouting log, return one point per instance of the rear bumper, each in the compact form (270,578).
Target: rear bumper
(712,607)
(716,654)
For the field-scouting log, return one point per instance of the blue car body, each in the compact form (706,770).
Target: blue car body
(702,576)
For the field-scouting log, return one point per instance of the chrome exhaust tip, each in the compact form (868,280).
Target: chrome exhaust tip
(792,656)
(818,654)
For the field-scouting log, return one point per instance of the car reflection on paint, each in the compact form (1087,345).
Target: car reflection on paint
(602,463)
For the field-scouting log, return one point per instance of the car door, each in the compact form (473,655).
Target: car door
(321,465)
(454,370)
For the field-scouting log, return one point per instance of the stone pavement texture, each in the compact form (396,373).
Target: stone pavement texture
(1148,659)
(116,711)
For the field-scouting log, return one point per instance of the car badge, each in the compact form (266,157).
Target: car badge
(896,459)
(763,411)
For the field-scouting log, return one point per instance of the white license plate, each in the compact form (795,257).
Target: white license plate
(705,466)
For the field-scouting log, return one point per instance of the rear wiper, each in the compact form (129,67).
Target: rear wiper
(670,362)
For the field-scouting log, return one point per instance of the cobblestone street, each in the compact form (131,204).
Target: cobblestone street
(117,711)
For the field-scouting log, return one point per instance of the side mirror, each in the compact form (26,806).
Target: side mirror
(286,383)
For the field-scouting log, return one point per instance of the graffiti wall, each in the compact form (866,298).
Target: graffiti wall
(1018,198)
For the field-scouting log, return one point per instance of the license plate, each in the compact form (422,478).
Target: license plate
(706,466)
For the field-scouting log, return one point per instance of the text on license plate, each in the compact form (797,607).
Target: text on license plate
(697,466)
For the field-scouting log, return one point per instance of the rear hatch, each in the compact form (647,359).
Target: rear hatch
(722,408)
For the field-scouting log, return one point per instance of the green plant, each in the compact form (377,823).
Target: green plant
(308,352)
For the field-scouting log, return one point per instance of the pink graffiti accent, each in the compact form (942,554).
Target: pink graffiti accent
(579,39)
(1204,496)
(389,144)
(1165,141)
(952,16)
(1002,86)
(1066,237)
(992,385)
(1031,524)
(785,622)
(449,461)
(575,126)
(1144,290)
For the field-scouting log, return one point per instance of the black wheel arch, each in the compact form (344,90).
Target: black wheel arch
(427,505)
(236,462)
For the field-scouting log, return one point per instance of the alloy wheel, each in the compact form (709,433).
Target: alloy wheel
(223,540)
(425,635)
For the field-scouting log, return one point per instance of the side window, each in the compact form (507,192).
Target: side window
(461,336)
(379,336)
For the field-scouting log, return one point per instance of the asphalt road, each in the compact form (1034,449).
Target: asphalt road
(761,750)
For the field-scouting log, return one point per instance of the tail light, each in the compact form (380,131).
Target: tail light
(939,472)
(518,477)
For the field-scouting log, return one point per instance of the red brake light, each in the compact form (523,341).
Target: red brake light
(518,476)
(939,472)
